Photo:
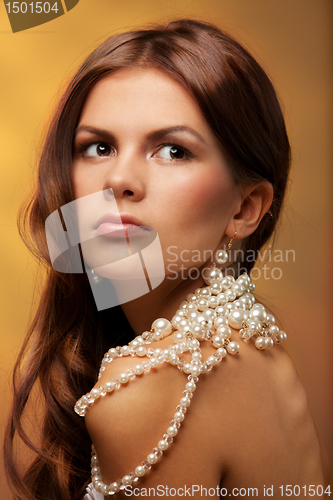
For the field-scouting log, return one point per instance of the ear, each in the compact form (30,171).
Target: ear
(255,202)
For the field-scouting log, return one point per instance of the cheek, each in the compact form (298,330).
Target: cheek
(196,217)
(83,182)
(205,199)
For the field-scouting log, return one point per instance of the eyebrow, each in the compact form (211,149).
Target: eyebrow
(156,135)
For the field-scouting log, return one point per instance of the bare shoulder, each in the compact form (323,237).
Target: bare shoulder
(273,436)
(248,424)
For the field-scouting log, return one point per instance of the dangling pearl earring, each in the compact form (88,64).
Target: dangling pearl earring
(221,256)
(94,276)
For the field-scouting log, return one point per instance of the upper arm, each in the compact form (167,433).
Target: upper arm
(126,425)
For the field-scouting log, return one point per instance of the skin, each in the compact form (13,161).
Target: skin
(229,437)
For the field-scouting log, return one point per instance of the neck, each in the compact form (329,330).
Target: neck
(162,302)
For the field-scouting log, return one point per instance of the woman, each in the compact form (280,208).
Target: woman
(177,132)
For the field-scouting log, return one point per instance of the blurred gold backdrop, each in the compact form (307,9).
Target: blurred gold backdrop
(293,41)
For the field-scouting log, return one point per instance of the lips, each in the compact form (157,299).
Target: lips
(119,225)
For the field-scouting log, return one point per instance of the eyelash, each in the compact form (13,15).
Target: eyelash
(85,147)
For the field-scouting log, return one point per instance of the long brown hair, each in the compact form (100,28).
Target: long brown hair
(68,335)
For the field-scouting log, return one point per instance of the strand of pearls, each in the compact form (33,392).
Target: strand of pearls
(205,315)
(157,452)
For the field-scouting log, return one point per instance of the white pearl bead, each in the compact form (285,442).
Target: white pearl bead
(141,351)
(114,487)
(179,416)
(152,458)
(126,480)
(223,298)
(125,350)
(213,302)
(204,293)
(187,368)
(225,331)
(182,312)
(178,337)
(219,321)
(212,360)
(158,335)
(222,352)
(190,386)
(221,310)
(269,343)
(202,304)
(280,337)
(193,315)
(195,370)
(172,431)
(203,368)
(123,378)
(196,355)
(210,313)
(95,393)
(218,341)
(176,320)
(226,283)
(195,343)
(231,294)
(191,297)
(216,288)
(109,386)
(184,325)
(163,325)
(246,301)
(233,347)
(185,401)
(237,317)
(173,359)
(257,305)
(274,329)
(140,471)
(212,275)
(153,362)
(238,289)
(98,486)
(221,256)
(163,445)
(258,313)
(113,352)
(260,343)
(270,320)
(138,369)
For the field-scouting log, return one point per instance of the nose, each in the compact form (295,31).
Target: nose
(126,178)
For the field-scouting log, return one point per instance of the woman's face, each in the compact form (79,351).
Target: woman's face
(143,136)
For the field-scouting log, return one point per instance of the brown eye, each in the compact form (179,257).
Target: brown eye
(177,153)
(173,152)
(98,149)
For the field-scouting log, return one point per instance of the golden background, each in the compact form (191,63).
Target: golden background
(293,41)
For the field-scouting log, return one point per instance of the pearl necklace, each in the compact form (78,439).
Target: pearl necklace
(205,315)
